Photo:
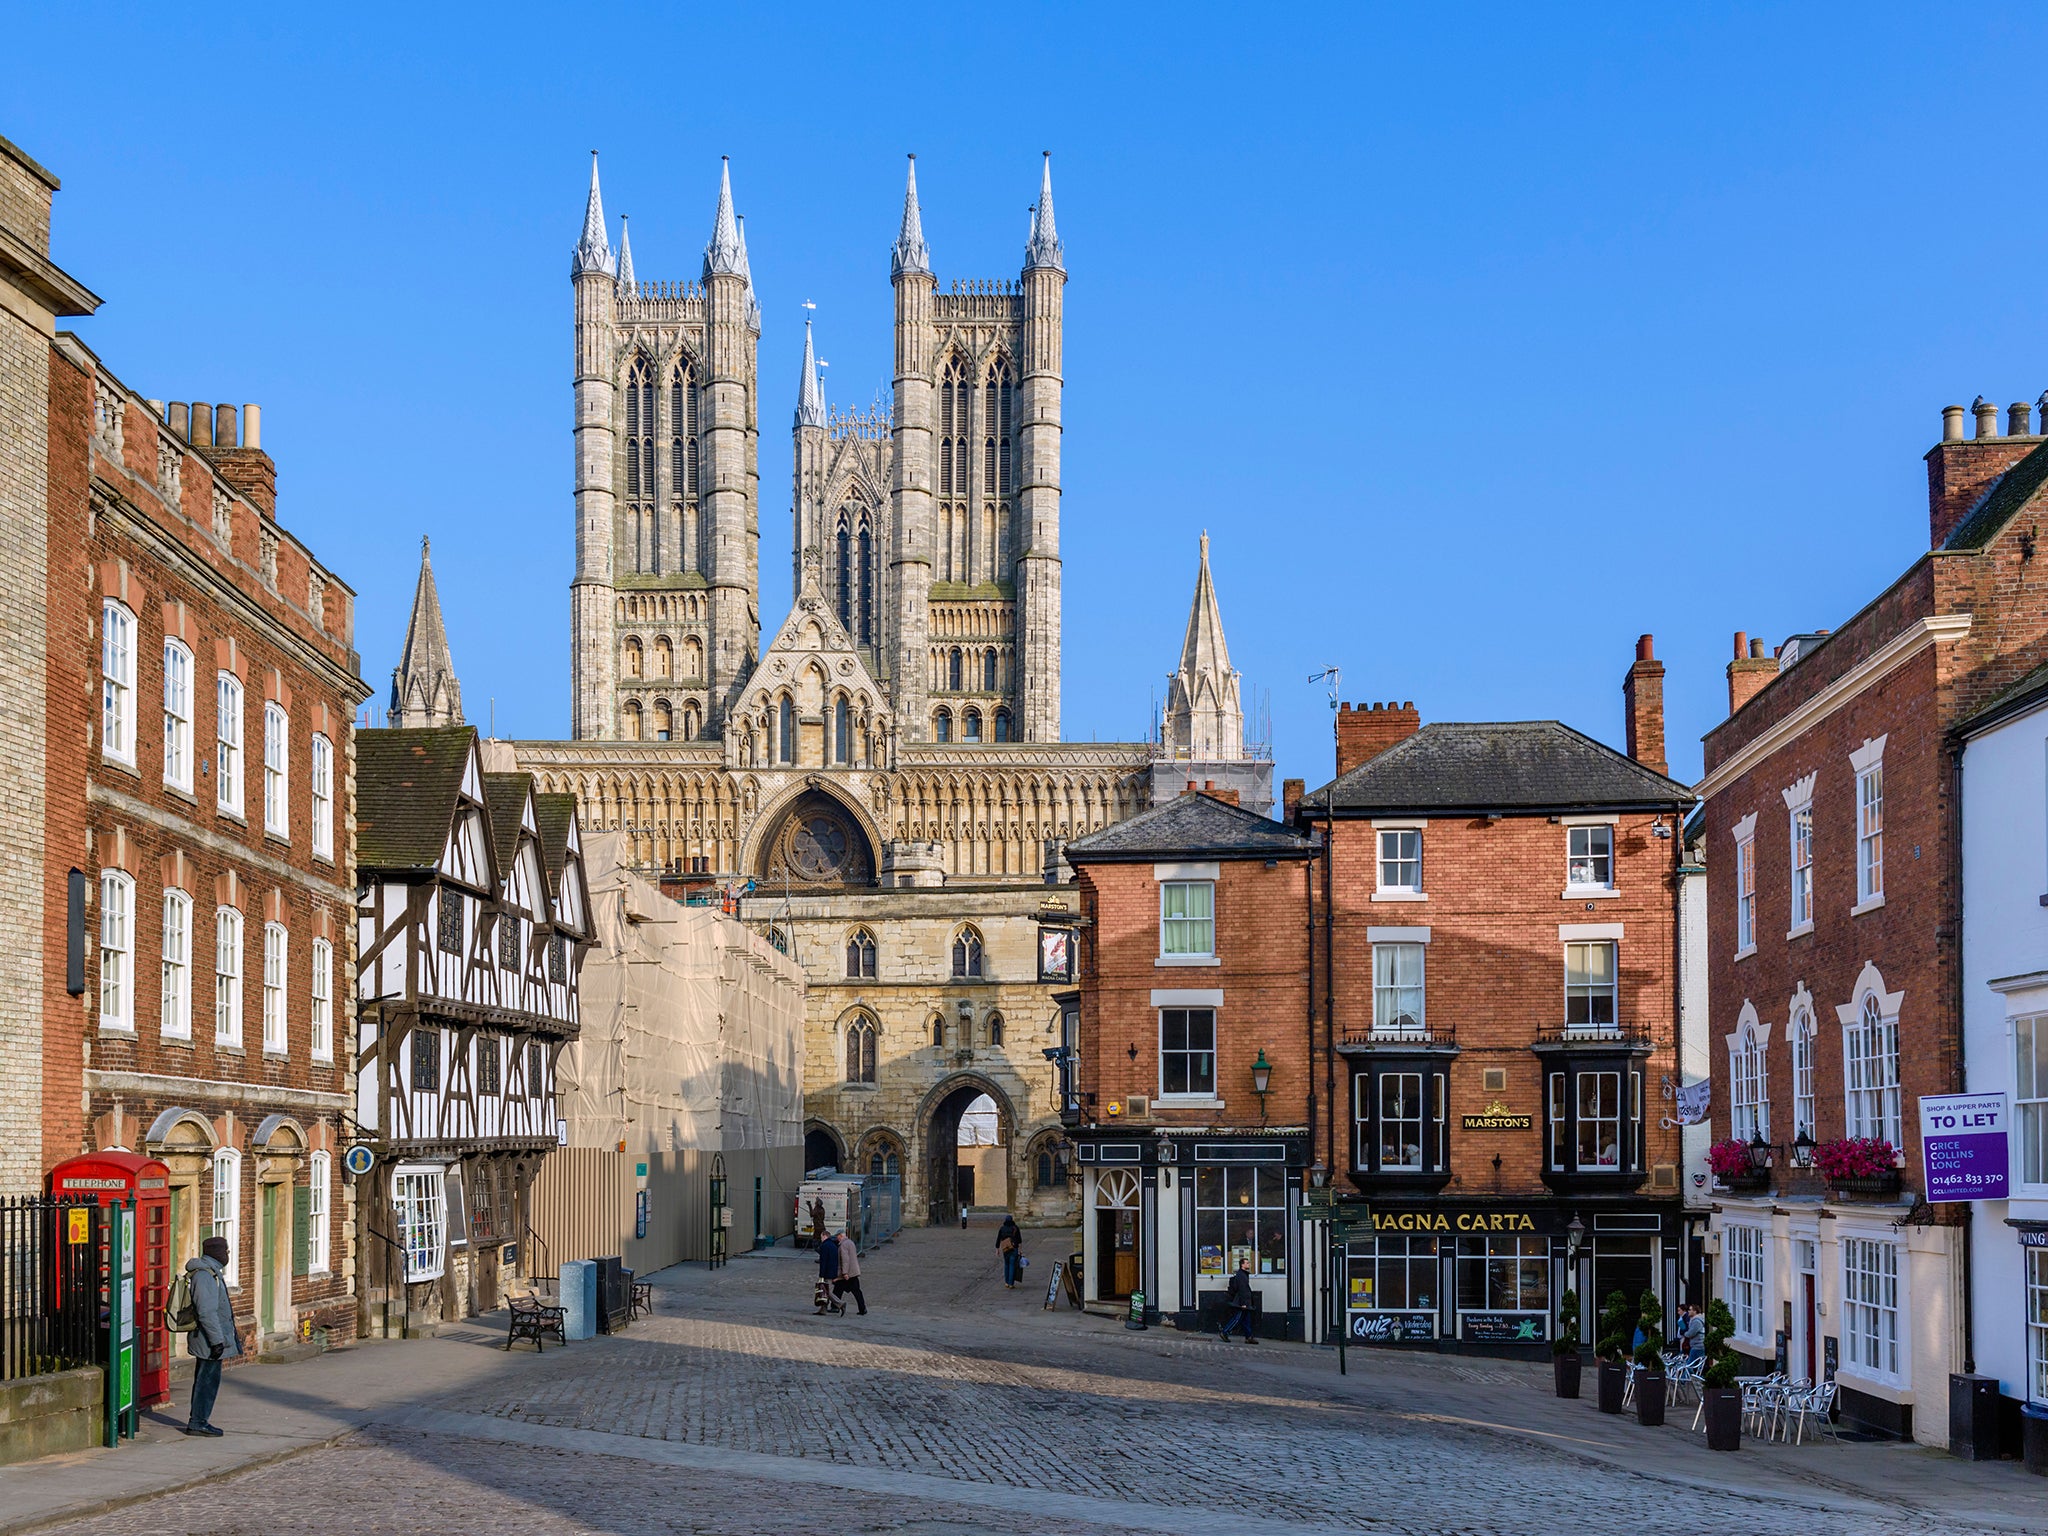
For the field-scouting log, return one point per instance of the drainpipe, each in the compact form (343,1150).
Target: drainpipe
(1953,853)
(1330,981)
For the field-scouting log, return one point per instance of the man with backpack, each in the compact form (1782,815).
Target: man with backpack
(201,1308)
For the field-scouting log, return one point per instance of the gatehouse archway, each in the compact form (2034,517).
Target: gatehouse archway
(944,1108)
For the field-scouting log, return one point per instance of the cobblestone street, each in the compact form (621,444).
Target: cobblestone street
(957,1406)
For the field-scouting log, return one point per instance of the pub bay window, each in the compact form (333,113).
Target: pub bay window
(1187,918)
(1400,1123)
(1240,1213)
(1593,1119)
(1187,1052)
(1589,858)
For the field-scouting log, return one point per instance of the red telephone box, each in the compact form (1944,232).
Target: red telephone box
(112,1177)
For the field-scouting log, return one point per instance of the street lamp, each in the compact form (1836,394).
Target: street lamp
(1319,1175)
(1802,1148)
(1759,1154)
(1575,1239)
(1262,1076)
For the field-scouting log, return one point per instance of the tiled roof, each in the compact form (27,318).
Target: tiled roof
(2009,493)
(406,785)
(552,815)
(1516,765)
(505,797)
(1190,826)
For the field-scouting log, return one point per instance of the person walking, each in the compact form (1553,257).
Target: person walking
(214,1338)
(1692,1331)
(1010,1244)
(1241,1300)
(828,1276)
(849,1272)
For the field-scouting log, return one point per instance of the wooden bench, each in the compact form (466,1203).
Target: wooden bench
(535,1320)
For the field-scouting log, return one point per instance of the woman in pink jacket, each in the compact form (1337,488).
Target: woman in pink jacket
(849,1271)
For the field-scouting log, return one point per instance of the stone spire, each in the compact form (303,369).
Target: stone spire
(747,272)
(1204,717)
(810,394)
(1045,249)
(592,253)
(424,691)
(625,256)
(910,254)
(725,256)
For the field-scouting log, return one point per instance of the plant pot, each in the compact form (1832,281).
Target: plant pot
(1881,1186)
(1612,1382)
(2034,1438)
(1747,1183)
(1723,1413)
(1650,1387)
(1564,1370)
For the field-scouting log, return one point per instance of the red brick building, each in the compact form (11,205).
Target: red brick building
(1834,920)
(1496,929)
(202,691)
(1193,1092)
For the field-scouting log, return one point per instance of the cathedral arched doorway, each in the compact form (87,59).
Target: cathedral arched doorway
(822,1149)
(817,842)
(956,1175)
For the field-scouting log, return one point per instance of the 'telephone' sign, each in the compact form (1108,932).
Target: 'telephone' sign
(1963,1137)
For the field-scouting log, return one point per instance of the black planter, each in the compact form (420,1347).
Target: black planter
(2034,1438)
(1881,1187)
(1747,1183)
(1612,1383)
(1650,1387)
(1724,1417)
(1564,1370)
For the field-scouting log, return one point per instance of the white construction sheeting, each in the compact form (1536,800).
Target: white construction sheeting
(692,1025)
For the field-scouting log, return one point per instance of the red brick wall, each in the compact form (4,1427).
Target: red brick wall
(1261,942)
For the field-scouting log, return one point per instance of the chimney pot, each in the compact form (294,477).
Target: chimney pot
(1756,648)
(2019,419)
(1646,648)
(1951,423)
(252,426)
(224,426)
(1987,417)
(1741,645)
(181,421)
(1642,698)
(202,424)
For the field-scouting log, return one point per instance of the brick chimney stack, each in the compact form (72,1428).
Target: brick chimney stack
(1291,791)
(1749,671)
(1961,470)
(1642,699)
(1365,731)
(236,453)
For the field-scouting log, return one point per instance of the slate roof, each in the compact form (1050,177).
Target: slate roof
(1510,766)
(1191,826)
(552,815)
(2009,493)
(406,786)
(505,798)
(2020,697)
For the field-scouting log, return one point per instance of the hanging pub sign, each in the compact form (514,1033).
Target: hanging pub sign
(1393,1327)
(1055,954)
(1504,1327)
(1497,1118)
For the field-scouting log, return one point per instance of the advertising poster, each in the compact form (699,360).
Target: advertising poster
(1963,1137)
(1504,1327)
(1393,1327)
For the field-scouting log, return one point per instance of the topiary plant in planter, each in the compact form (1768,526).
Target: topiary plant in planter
(1650,1381)
(1564,1349)
(1722,1399)
(1617,1323)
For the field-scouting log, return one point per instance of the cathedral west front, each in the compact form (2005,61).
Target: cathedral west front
(884,782)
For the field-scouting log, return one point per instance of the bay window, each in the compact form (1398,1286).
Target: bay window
(419,1206)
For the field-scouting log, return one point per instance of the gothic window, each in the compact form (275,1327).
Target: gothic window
(867,585)
(942,726)
(967,954)
(842,732)
(632,720)
(1003,466)
(988,670)
(945,550)
(664,721)
(988,463)
(632,665)
(960,461)
(938,1032)
(785,731)
(845,575)
(1003,725)
(860,1050)
(664,657)
(970,725)
(860,955)
(953,669)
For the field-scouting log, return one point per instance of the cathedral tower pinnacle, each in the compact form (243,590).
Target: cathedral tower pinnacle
(594,279)
(424,690)
(592,254)
(725,256)
(1038,577)
(910,496)
(625,257)
(810,395)
(910,254)
(1204,713)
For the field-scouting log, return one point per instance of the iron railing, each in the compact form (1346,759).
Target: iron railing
(50,1255)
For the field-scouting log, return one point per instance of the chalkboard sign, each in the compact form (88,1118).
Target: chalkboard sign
(1065,1277)
(1505,1327)
(1831,1355)
(1393,1327)
(1052,1285)
(1784,1354)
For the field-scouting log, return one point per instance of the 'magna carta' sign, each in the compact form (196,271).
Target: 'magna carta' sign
(1497,1118)
(1453,1221)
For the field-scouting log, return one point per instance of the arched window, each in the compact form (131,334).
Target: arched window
(664,657)
(632,720)
(632,661)
(1748,1092)
(1003,725)
(1870,1073)
(953,668)
(785,731)
(867,586)
(967,953)
(1801,1032)
(842,732)
(938,1032)
(664,721)
(886,1161)
(988,670)
(970,725)
(995,1029)
(845,575)
(860,955)
(1049,1164)
(988,463)
(693,657)
(860,1050)
(942,726)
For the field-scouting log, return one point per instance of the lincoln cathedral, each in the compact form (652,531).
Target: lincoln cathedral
(883,786)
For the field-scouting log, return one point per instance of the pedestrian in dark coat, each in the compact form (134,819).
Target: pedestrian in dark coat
(849,1272)
(1010,1244)
(215,1339)
(1241,1299)
(828,1275)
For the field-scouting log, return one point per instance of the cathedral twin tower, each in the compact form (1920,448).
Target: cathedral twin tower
(931,533)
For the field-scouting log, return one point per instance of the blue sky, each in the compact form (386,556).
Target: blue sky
(1480,345)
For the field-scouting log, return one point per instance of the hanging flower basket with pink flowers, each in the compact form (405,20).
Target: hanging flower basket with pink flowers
(1865,1167)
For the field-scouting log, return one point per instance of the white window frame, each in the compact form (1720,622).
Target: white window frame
(320,1010)
(174,995)
(1593,1027)
(277,781)
(2030,1104)
(2035,1301)
(321,783)
(1745,886)
(178,676)
(319,1192)
(1799,855)
(1595,831)
(419,1204)
(117,951)
(227,977)
(1393,835)
(1189,1095)
(276,970)
(1872,1101)
(1187,934)
(1868,763)
(1873,1298)
(1804,1038)
(1581,1120)
(227,743)
(1749,1091)
(227,1179)
(117,682)
(1745,1278)
(1389,993)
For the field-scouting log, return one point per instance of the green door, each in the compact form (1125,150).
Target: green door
(266,1262)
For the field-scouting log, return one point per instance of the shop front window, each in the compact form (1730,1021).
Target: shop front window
(1240,1213)
(1393,1274)
(1503,1275)
(2037,1324)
